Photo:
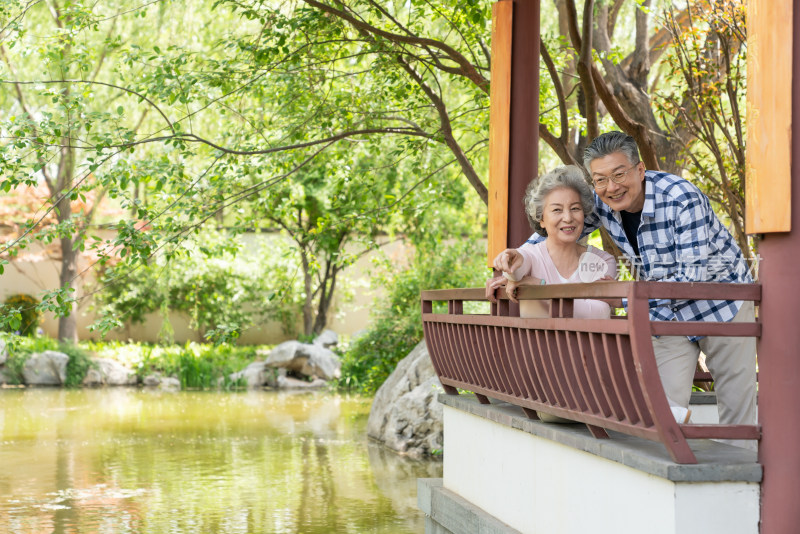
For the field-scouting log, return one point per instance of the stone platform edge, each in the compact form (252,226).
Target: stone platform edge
(448,513)
(717,462)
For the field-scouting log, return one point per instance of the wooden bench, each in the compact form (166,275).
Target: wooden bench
(601,372)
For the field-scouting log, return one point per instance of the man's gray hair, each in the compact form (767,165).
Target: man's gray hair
(608,143)
(568,176)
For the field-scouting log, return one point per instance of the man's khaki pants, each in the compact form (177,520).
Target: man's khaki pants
(731,360)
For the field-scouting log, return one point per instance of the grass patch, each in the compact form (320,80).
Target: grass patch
(196,365)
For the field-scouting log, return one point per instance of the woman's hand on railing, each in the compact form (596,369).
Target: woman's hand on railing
(512,286)
(492,285)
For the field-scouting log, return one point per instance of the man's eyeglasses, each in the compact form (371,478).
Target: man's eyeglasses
(601,182)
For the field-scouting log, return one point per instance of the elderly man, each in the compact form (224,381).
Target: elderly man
(667,229)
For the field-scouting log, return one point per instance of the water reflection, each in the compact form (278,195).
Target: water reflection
(128,461)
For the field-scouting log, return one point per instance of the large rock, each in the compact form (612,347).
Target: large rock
(162,383)
(319,362)
(305,359)
(328,338)
(3,352)
(48,368)
(170,383)
(151,381)
(114,373)
(93,378)
(287,382)
(405,414)
(257,375)
(283,355)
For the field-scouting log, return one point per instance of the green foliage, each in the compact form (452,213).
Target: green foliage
(397,325)
(199,366)
(222,289)
(707,75)
(20,314)
(19,350)
(196,366)
(180,123)
(14,366)
(78,365)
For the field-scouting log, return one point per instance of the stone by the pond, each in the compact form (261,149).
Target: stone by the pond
(151,381)
(3,352)
(288,382)
(305,359)
(93,378)
(48,368)
(114,373)
(170,383)
(328,338)
(164,383)
(319,362)
(256,375)
(405,414)
(283,355)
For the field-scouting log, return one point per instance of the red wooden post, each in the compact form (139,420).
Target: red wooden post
(779,361)
(514,136)
(524,141)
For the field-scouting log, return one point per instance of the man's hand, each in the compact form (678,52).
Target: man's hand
(508,261)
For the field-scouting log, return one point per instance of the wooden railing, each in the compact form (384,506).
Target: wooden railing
(601,372)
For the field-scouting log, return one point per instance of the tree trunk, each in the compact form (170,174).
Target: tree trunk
(68,324)
(325,300)
(308,316)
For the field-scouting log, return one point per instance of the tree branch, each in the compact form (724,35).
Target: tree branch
(447,132)
(94,82)
(467,69)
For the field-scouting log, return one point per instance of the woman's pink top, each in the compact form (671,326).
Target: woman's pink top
(594,265)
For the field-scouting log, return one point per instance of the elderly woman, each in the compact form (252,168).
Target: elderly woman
(556,205)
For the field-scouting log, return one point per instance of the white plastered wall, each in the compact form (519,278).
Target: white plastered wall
(540,486)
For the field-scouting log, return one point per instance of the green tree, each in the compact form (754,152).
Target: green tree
(227,124)
(57,129)
(706,96)
(242,112)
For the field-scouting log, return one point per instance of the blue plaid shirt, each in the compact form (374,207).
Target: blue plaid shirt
(680,240)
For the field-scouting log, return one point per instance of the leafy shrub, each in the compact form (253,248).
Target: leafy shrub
(12,369)
(397,327)
(221,287)
(197,366)
(20,314)
(78,365)
(20,349)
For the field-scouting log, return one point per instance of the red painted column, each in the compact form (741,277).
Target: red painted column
(779,348)
(523,150)
(524,139)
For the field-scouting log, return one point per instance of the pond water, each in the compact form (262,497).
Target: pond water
(130,461)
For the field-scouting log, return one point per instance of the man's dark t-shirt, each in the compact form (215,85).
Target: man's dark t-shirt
(630,223)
